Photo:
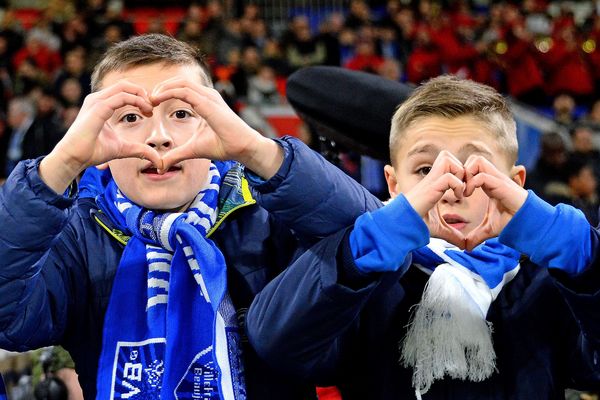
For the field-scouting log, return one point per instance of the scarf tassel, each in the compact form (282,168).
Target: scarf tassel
(447,335)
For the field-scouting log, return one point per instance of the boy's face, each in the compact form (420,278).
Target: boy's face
(463,136)
(172,123)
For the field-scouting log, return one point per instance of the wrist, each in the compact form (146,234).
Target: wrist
(264,157)
(58,170)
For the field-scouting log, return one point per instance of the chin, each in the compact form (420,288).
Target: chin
(162,204)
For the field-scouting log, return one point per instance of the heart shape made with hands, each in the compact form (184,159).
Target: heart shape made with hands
(505,196)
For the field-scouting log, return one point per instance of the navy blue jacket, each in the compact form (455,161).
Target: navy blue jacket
(58,263)
(342,327)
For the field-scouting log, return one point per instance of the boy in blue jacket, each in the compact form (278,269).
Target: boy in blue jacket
(506,287)
(146,277)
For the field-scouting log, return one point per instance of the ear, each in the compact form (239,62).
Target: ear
(518,174)
(392,181)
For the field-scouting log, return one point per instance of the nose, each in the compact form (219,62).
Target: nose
(449,197)
(159,138)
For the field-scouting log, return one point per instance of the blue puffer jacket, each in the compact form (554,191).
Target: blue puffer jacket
(59,257)
(344,328)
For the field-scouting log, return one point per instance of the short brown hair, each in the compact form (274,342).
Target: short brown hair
(450,97)
(145,50)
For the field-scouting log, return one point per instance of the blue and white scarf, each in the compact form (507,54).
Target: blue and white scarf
(448,334)
(170,329)
(2,389)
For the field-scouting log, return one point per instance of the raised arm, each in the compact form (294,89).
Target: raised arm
(43,269)
(297,185)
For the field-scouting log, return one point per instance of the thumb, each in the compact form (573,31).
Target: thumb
(455,237)
(478,236)
(143,151)
(175,156)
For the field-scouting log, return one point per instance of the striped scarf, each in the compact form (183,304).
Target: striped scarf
(170,329)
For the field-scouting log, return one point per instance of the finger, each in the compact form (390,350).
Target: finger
(140,150)
(123,86)
(444,231)
(203,105)
(447,162)
(489,183)
(427,194)
(448,234)
(102,166)
(448,181)
(479,235)
(486,229)
(106,108)
(184,152)
(476,164)
(175,83)
(454,237)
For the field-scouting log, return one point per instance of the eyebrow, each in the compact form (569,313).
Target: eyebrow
(467,149)
(471,148)
(427,149)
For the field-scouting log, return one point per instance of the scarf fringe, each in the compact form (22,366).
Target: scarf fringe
(447,335)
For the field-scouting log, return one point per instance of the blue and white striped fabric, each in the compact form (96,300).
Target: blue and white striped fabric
(170,329)
(489,265)
(2,389)
(448,334)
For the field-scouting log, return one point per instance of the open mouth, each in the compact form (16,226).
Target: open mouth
(153,171)
(455,221)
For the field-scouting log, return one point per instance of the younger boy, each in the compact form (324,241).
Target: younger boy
(514,316)
(147,283)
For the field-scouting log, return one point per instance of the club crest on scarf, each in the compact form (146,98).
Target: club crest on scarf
(170,330)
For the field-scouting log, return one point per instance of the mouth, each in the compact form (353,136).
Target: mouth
(151,170)
(455,221)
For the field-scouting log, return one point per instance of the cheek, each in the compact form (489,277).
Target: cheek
(197,173)
(123,170)
(133,133)
(182,131)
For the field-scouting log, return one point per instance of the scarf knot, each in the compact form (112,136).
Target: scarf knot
(448,334)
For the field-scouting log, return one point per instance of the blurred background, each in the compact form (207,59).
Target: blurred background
(543,55)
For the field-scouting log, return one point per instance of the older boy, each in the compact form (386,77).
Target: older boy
(453,178)
(145,283)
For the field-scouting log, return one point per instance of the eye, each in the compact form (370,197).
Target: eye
(181,114)
(423,171)
(130,118)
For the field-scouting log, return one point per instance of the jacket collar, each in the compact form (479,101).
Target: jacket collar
(234,194)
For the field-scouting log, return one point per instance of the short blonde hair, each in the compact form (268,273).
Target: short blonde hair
(450,97)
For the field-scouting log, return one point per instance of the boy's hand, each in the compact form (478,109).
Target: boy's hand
(224,137)
(506,198)
(91,140)
(447,172)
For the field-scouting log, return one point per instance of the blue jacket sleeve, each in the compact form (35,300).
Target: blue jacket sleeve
(34,285)
(381,240)
(310,195)
(553,237)
(302,321)
(561,239)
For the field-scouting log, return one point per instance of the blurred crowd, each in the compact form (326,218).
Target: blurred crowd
(545,54)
